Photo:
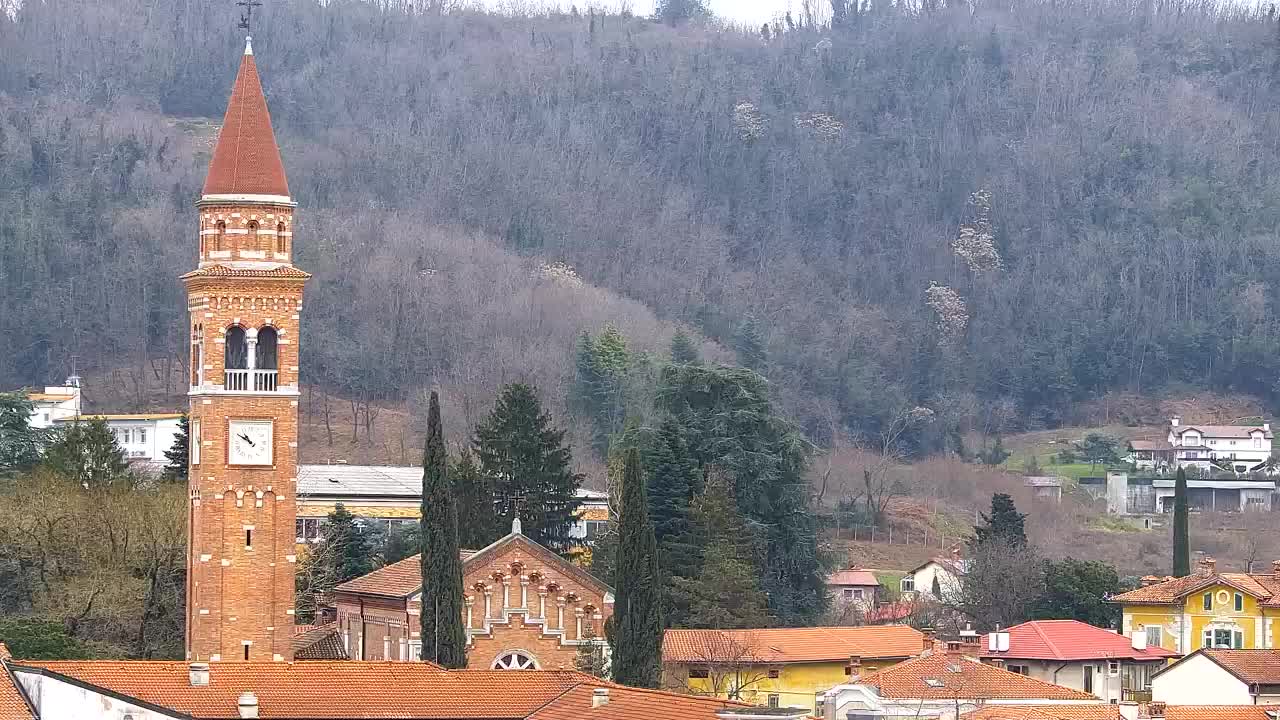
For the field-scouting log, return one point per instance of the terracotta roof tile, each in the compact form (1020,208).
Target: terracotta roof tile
(627,703)
(1071,640)
(283,271)
(323,690)
(1253,667)
(944,675)
(1045,712)
(319,642)
(12,704)
(246,160)
(783,645)
(1215,712)
(1264,587)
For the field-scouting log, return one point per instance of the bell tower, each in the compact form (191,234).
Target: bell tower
(244,297)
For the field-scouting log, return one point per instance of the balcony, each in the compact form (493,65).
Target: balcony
(251,381)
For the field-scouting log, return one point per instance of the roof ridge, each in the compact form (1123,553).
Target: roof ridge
(1053,647)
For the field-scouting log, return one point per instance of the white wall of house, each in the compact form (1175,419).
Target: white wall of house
(1196,678)
(858,699)
(55,403)
(142,438)
(55,698)
(1248,452)
(924,576)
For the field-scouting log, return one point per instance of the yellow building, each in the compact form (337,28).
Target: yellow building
(781,667)
(1205,610)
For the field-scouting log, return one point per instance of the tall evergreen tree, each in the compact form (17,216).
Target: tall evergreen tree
(673,480)
(637,608)
(601,368)
(528,464)
(726,591)
(348,547)
(444,640)
(683,351)
(478,524)
(87,453)
(179,454)
(1181,530)
(730,424)
(1004,525)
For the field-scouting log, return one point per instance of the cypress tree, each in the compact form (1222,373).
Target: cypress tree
(637,619)
(525,457)
(1181,533)
(443,639)
(672,476)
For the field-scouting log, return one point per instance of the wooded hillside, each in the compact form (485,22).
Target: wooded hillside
(992,211)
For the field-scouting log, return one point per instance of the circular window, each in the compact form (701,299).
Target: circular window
(515,660)
(1223,597)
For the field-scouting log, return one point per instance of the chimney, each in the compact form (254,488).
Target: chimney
(1139,640)
(1155,710)
(599,697)
(930,638)
(953,646)
(1173,421)
(1128,710)
(1266,427)
(1208,566)
(1149,580)
(997,662)
(248,705)
(1275,569)
(198,674)
(955,553)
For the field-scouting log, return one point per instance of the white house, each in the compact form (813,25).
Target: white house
(1226,677)
(57,402)
(143,437)
(1241,447)
(934,579)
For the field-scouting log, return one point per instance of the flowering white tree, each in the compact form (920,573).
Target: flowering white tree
(748,121)
(950,312)
(976,244)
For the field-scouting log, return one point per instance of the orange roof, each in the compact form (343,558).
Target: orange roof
(246,160)
(404,578)
(1252,667)
(323,690)
(284,271)
(48,397)
(1045,712)
(12,705)
(318,642)
(789,645)
(1071,640)
(1264,587)
(943,675)
(626,703)
(1213,712)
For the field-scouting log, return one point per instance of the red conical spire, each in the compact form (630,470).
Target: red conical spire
(246,160)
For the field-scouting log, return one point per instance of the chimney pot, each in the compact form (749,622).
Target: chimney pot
(599,697)
(248,705)
(1173,421)
(1275,568)
(1149,580)
(1155,709)
(198,674)
(1208,566)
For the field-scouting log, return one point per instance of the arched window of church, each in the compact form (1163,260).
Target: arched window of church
(515,660)
(236,355)
(266,353)
(220,238)
(280,244)
(254,239)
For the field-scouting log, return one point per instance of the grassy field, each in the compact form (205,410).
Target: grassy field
(1045,445)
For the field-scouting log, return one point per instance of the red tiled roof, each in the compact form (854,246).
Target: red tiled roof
(283,271)
(1253,667)
(1264,587)
(318,642)
(786,645)
(246,160)
(1045,712)
(12,705)
(404,578)
(626,703)
(1071,640)
(325,690)
(853,576)
(1213,712)
(944,676)
(1227,431)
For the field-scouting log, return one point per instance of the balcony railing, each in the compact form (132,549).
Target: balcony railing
(251,381)
(1139,696)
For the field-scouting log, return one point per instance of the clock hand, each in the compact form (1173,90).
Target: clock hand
(246,439)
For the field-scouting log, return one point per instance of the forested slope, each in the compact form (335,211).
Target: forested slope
(820,180)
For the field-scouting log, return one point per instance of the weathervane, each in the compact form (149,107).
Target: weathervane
(247,18)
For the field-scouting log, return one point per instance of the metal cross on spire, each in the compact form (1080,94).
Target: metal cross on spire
(510,503)
(246,19)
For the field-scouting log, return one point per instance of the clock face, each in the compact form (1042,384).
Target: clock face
(250,442)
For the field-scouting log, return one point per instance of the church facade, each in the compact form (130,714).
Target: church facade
(245,301)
